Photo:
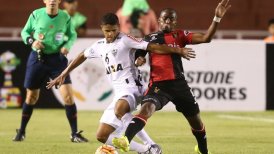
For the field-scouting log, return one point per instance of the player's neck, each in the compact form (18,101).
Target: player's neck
(52,11)
(113,38)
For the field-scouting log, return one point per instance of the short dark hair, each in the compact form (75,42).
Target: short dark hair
(110,19)
(271,21)
(168,10)
(70,1)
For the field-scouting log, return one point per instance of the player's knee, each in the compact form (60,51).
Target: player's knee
(147,109)
(32,99)
(101,138)
(119,114)
(68,99)
(195,122)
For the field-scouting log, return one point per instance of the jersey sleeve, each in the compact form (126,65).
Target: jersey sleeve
(92,51)
(140,52)
(71,34)
(187,37)
(134,43)
(28,28)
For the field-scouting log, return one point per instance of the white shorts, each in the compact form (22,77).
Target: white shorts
(132,94)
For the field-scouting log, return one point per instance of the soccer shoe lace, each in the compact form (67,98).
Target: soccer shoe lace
(121,143)
(196,149)
(153,149)
(20,136)
(78,137)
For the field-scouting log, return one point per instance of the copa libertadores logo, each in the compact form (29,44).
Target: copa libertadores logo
(10,96)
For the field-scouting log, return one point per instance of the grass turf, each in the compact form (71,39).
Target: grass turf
(228,133)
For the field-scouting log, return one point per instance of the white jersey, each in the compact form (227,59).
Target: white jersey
(118,57)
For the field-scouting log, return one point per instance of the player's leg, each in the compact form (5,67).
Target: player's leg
(154,100)
(111,118)
(71,113)
(198,130)
(106,133)
(35,75)
(142,135)
(148,144)
(136,124)
(139,121)
(186,103)
(56,64)
(103,132)
(31,99)
(110,126)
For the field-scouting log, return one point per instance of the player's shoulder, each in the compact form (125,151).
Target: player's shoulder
(38,12)
(100,42)
(63,14)
(182,32)
(126,37)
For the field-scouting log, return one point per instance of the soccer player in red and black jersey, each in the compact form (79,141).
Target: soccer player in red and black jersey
(167,81)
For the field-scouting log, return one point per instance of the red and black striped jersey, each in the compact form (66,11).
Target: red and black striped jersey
(168,66)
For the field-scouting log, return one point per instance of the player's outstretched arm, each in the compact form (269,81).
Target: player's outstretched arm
(186,53)
(220,11)
(58,81)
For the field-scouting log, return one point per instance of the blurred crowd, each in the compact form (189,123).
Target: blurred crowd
(136,18)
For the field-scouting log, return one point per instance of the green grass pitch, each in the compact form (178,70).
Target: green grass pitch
(227,132)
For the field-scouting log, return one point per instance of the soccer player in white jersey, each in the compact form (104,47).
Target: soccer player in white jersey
(117,51)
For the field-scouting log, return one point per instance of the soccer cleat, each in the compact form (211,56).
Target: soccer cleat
(196,149)
(153,149)
(121,143)
(20,136)
(78,137)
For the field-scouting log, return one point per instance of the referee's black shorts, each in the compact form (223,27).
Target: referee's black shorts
(176,91)
(37,73)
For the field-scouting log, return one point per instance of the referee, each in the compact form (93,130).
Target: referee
(50,34)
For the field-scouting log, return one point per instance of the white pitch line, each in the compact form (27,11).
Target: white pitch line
(245,118)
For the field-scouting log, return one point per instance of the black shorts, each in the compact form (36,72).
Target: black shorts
(37,73)
(176,91)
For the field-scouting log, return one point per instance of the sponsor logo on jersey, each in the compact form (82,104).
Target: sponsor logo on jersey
(114,52)
(114,68)
(186,32)
(174,45)
(156,90)
(175,35)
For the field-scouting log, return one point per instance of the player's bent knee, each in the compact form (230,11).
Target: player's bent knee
(101,138)
(147,109)
(32,99)
(68,100)
(119,114)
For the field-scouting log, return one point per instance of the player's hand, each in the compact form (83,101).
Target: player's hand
(38,45)
(140,61)
(187,53)
(222,7)
(57,82)
(64,51)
